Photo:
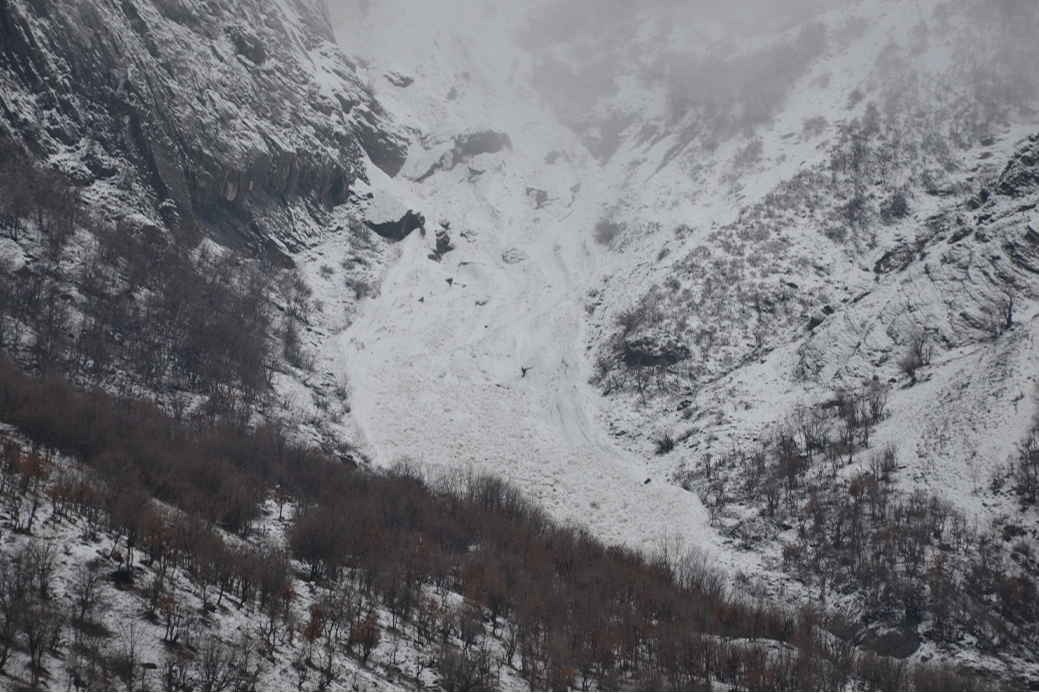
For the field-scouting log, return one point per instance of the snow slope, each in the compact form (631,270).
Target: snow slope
(478,362)
(949,289)
(481,360)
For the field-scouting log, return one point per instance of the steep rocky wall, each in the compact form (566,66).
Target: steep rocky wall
(229,109)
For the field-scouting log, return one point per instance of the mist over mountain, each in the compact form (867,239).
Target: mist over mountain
(553,344)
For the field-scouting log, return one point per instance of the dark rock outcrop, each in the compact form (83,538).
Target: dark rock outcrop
(443,243)
(399,80)
(247,44)
(1021,174)
(899,642)
(468,145)
(399,229)
(654,348)
(229,110)
(539,196)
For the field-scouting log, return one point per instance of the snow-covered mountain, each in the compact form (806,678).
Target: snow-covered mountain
(760,285)
(725,232)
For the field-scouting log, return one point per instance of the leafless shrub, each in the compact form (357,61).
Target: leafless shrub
(299,294)
(607,230)
(884,463)
(467,669)
(225,666)
(364,287)
(855,97)
(369,89)
(86,590)
(917,355)
(630,319)
(876,399)
(366,635)
(292,347)
(1000,315)
(895,207)
(665,443)
(1026,472)
(126,661)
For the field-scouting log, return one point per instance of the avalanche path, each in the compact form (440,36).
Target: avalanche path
(478,361)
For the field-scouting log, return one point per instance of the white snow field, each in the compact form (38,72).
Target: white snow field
(436,361)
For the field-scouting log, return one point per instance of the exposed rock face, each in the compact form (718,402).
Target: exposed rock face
(1021,174)
(229,109)
(399,229)
(654,348)
(900,642)
(443,242)
(894,260)
(468,145)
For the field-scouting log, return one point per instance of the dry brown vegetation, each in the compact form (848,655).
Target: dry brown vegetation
(910,560)
(133,305)
(551,602)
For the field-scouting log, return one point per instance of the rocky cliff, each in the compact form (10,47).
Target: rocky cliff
(238,120)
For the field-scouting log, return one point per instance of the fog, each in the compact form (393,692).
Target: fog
(722,68)
(572,17)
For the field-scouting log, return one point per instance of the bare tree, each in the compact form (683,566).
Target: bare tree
(1027,472)
(41,625)
(917,355)
(366,635)
(1006,310)
(127,659)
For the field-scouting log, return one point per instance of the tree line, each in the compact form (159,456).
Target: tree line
(384,550)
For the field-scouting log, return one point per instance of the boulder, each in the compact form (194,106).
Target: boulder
(399,80)
(443,242)
(470,144)
(539,196)
(398,229)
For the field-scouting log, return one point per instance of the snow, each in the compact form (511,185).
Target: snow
(480,361)
(437,361)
